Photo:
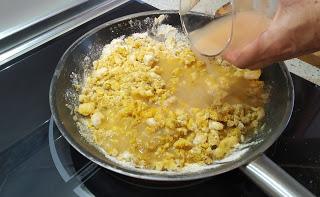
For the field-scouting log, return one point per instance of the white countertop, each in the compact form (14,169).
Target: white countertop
(27,14)
(295,66)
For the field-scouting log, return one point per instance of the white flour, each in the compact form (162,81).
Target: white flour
(173,39)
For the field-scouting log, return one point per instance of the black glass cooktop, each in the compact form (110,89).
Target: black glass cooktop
(36,161)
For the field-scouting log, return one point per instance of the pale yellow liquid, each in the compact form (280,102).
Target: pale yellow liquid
(213,38)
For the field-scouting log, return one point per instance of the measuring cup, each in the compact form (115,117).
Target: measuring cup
(215,26)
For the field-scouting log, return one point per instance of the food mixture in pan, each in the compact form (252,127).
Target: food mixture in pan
(155,104)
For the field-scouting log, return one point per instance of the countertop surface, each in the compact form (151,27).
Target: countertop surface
(30,14)
(296,66)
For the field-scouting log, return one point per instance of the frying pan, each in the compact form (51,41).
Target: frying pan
(252,162)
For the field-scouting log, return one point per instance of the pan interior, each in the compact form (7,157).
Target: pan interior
(78,59)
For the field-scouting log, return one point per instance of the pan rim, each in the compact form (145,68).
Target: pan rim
(147,174)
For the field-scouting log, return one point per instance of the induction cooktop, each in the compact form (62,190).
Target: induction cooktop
(35,160)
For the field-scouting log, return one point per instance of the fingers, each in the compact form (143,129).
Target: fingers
(254,54)
(244,57)
(276,44)
(294,31)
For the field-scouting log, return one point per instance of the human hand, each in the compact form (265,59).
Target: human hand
(294,31)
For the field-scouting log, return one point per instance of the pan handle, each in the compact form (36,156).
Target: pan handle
(272,179)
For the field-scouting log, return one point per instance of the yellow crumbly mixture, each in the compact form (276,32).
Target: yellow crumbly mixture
(158,106)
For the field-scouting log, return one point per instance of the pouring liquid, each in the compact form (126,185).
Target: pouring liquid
(213,38)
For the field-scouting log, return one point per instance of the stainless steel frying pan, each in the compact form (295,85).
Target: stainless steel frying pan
(253,162)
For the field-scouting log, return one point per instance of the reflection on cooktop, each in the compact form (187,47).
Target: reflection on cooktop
(297,150)
(107,183)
